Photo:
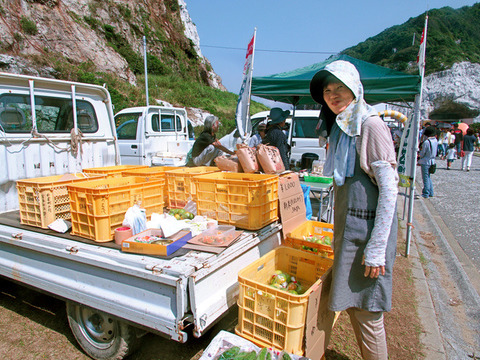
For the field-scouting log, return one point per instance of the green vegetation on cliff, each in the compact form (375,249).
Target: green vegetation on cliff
(453,35)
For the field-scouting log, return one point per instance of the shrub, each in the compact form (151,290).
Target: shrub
(28,26)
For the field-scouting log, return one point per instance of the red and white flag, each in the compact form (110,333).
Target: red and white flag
(421,51)
(243,105)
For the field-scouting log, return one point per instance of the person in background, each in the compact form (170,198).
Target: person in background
(451,138)
(258,137)
(275,135)
(361,159)
(451,155)
(458,138)
(426,158)
(207,147)
(469,141)
(445,135)
(477,144)
(441,148)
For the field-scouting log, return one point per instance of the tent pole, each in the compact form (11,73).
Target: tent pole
(418,101)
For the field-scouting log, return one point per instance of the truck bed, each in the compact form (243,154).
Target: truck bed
(160,294)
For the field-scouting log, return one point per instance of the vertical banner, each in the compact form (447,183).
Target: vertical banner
(242,115)
(405,153)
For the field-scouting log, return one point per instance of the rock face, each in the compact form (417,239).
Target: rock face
(102,34)
(460,84)
(191,33)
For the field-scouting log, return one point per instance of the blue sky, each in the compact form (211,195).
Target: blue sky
(319,26)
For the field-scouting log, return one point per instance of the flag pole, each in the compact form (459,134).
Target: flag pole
(416,128)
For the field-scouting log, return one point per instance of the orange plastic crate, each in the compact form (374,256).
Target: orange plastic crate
(296,238)
(44,200)
(248,201)
(152,172)
(112,171)
(275,318)
(180,186)
(98,207)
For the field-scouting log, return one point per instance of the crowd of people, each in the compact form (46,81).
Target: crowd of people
(446,144)
(274,133)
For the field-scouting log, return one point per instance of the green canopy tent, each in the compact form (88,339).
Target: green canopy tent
(380,84)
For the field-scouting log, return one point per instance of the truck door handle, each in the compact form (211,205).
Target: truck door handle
(134,146)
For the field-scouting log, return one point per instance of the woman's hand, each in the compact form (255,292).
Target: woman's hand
(373,271)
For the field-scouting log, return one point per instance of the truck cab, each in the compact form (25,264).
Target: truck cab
(153,135)
(69,128)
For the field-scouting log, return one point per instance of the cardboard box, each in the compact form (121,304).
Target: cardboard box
(292,203)
(178,241)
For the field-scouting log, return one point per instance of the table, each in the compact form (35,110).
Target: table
(323,192)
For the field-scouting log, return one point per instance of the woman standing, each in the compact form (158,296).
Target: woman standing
(361,159)
(275,135)
(469,141)
(426,159)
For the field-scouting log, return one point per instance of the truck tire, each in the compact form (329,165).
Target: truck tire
(101,336)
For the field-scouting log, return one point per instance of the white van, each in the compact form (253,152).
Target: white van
(301,133)
(154,135)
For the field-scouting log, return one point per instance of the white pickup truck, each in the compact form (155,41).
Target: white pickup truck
(112,297)
(154,135)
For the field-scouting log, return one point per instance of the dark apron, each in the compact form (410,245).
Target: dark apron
(355,206)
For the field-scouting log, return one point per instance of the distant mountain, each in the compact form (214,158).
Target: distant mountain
(453,36)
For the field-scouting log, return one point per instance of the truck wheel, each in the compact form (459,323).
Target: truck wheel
(100,335)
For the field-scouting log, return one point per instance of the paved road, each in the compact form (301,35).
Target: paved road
(447,233)
(457,201)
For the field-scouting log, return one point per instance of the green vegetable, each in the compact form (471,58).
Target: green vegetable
(230,353)
(251,355)
(285,356)
(262,355)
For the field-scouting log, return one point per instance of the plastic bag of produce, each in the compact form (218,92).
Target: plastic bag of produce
(228,163)
(270,159)
(248,158)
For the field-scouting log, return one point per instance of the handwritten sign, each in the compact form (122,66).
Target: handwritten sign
(292,203)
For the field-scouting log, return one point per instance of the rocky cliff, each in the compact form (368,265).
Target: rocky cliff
(453,93)
(41,35)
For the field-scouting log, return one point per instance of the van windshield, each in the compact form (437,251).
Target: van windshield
(304,127)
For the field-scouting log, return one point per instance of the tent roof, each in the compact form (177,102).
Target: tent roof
(380,83)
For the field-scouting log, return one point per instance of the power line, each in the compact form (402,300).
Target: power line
(274,51)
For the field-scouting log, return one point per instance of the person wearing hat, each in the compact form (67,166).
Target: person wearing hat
(258,137)
(361,159)
(427,155)
(207,147)
(275,135)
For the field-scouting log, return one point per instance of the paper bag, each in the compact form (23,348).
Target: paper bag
(228,163)
(270,159)
(248,158)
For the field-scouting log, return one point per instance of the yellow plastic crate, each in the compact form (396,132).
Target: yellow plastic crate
(113,171)
(296,238)
(248,201)
(275,318)
(44,200)
(152,172)
(98,207)
(180,186)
